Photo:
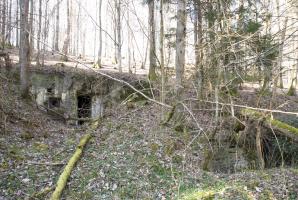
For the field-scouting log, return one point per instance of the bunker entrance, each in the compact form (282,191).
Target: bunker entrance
(54,102)
(84,108)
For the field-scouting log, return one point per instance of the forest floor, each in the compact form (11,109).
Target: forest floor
(86,63)
(131,156)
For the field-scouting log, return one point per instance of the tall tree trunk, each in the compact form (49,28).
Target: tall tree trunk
(31,26)
(161,51)
(100,36)
(67,36)
(152,48)
(24,53)
(39,33)
(3,33)
(95,33)
(115,37)
(281,52)
(84,43)
(45,32)
(78,29)
(119,41)
(1,20)
(198,40)
(9,26)
(129,46)
(180,42)
(56,46)
(17,23)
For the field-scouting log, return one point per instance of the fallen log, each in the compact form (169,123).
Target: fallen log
(69,167)
(281,127)
(45,163)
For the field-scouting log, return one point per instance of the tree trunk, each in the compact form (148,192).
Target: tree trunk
(67,36)
(161,52)
(17,23)
(9,27)
(31,26)
(198,40)
(119,42)
(56,45)
(152,48)
(281,51)
(39,33)
(115,37)
(84,43)
(129,46)
(3,39)
(78,29)
(45,32)
(100,36)
(24,53)
(180,42)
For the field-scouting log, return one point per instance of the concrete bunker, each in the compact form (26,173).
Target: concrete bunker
(78,96)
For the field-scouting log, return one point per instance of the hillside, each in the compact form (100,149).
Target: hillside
(131,156)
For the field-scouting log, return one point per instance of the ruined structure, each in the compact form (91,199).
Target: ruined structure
(77,95)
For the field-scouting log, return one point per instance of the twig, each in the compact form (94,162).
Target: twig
(248,107)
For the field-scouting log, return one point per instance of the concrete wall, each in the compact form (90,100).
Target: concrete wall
(65,88)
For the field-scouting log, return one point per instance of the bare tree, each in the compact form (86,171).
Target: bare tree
(67,35)
(198,40)
(161,50)
(17,23)
(100,36)
(180,42)
(31,20)
(152,42)
(119,40)
(39,32)
(56,45)
(24,53)
(9,25)
(45,31)
(129,43)
(3,39)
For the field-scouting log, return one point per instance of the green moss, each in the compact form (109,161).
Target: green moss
(266,195)
(177,159)
(27,135)
(292,91)
(274,122)
(179,127)
(253,184)
(15,152)
(154,147)
(210,187)
(283,125)
(169,148)
(40,146)
(194,195)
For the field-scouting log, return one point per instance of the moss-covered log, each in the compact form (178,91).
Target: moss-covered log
(281,127)
(69,167)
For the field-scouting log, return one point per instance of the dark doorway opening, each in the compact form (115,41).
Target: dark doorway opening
(84,107)
(54,102)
